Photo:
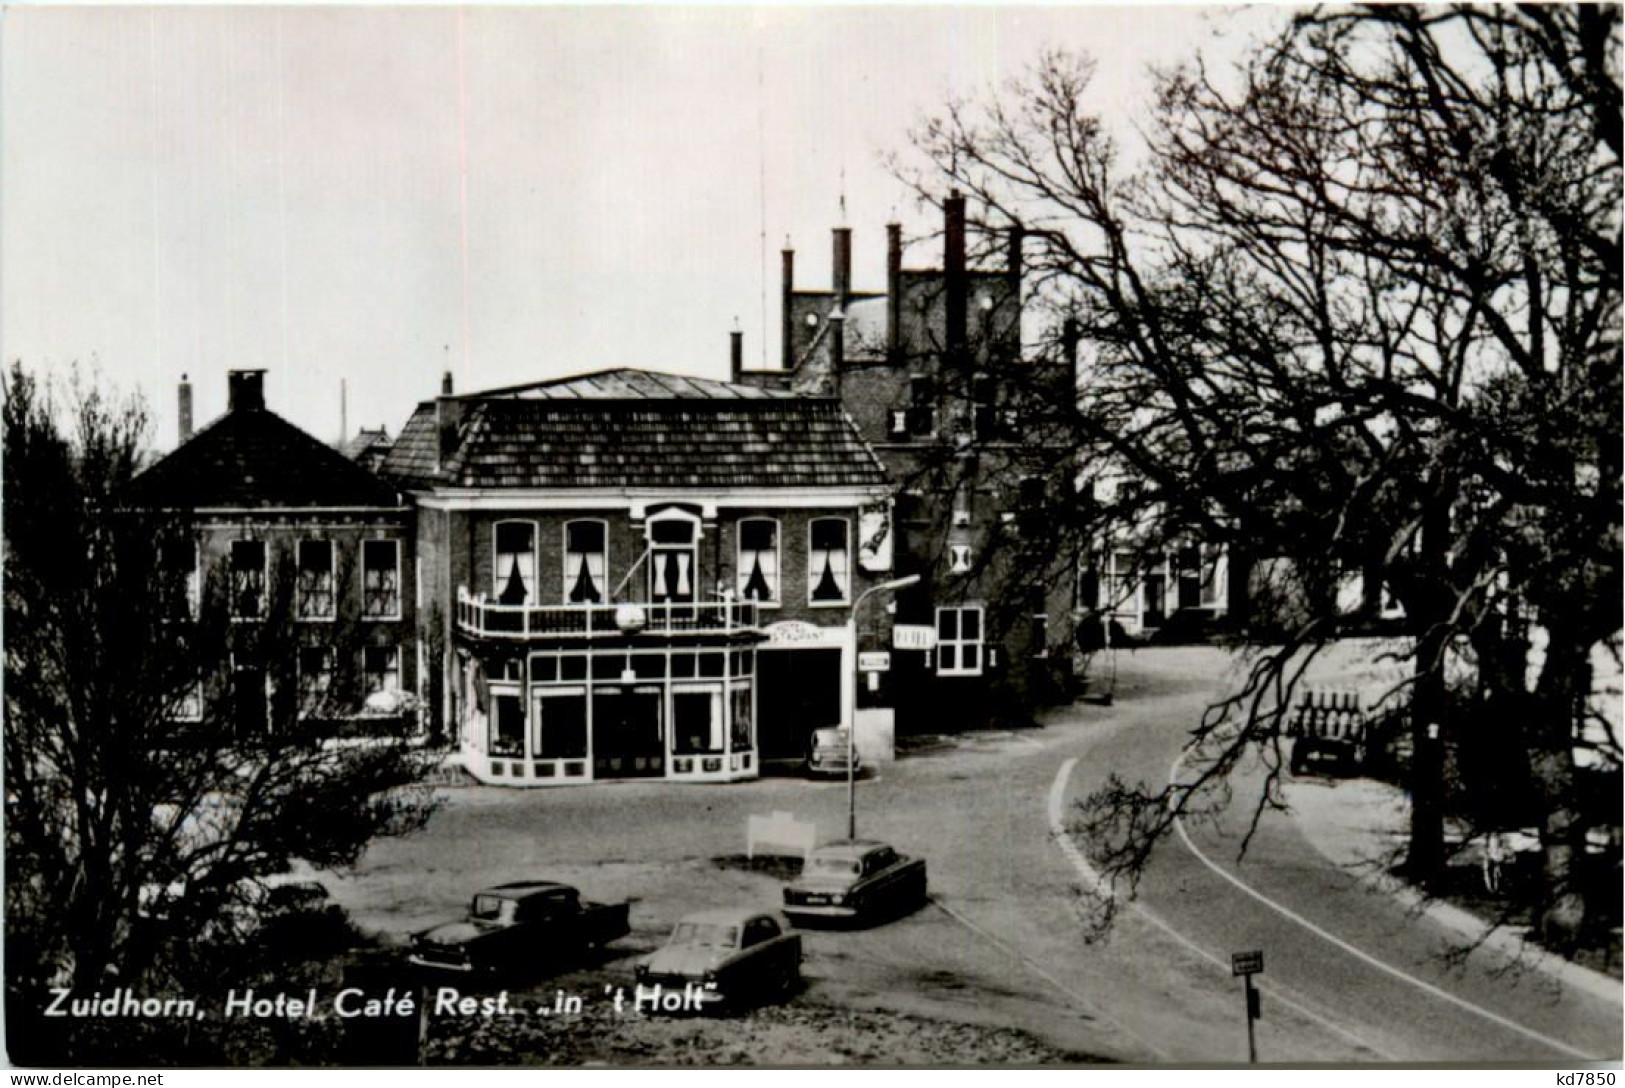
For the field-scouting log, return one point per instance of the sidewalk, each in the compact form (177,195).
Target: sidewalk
(1359,824)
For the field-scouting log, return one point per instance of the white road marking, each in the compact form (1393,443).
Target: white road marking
(1057,800)
(1066,991)
(1362,956)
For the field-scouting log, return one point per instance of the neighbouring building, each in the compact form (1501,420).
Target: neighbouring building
(932,370)
(368,448)
(627,574)
(300,541)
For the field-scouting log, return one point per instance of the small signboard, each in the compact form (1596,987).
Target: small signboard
(874,661)
(914,636)
(1247,963)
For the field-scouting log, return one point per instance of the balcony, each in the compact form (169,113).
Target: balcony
(482,617)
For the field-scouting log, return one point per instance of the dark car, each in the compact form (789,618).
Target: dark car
(737,957)
(513,926)
(856,879)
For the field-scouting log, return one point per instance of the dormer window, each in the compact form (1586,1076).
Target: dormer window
(513,572)
(758,570)
(586,562)
(828,566)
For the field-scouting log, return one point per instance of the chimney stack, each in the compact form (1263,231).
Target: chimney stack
(842,265)
(736,354)
(1013,264)
(245,390)
(445,384)
(184,396)
(894,292)
(448,414)
(1071,334)
(955,288)
(788,279)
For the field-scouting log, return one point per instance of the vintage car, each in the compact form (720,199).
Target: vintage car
(512,927)
(856,879)
(828,750)
(733,956)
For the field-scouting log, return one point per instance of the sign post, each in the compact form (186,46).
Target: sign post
(1248,964)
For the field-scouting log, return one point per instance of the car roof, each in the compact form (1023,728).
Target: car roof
(850,848)
(524,889)
(727,916)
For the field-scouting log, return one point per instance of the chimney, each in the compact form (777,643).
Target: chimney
(448,415)
(445,384)
(841,264)
(788,352)
(246,390)
(1071,334)
(736,354)
(955,289)
(837,346)
(184,397)
(894,292)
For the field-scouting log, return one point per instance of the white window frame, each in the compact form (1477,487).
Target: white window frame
(231,577)
(191,708)
(400,592)
(741,575)
(366,674)
(812,577)
(332,580)
(532,593)
(960,642)
(568,579)
(656,550)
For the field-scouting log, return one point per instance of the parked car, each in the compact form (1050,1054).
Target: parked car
(856,879)
(512,926)
(739,956)
(827,751)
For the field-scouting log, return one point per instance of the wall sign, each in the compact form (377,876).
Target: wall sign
(911,636)
(874,661)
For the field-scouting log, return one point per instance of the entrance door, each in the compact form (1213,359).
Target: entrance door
(628,740)
(797,691)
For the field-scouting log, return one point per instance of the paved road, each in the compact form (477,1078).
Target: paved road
(1341,954)
(1006,943)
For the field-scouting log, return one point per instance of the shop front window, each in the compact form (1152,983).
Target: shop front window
(696,722)
(559,724)
(507,724)
(740,722)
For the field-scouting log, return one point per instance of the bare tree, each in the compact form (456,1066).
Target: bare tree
(141,824)
(1358,310)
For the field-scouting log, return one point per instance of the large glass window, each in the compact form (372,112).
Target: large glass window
(559,724)
(739,730)
(507,724)
(381,579)
(959,641)
(759,560)
(513,572)
(828,569)
(696,721)
(248,579)
(314,597)
(586,561)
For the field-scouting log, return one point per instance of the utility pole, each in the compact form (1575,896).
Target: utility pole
(852,718)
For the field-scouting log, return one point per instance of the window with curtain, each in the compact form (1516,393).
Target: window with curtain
(314,596)
(586,561)
(247,579)
(513,572)
(759,560)
(828,570)
(381,579)
(671,560)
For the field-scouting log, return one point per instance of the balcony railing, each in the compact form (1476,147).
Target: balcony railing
(489,619)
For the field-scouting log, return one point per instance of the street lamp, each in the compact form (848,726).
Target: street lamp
(852,721)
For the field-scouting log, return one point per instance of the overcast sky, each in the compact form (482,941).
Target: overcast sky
(194,189)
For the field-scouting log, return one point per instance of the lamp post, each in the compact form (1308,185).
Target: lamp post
(852,722)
